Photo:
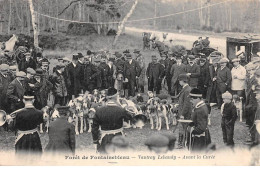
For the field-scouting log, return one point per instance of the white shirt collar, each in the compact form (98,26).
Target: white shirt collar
(74,64)
(185,85)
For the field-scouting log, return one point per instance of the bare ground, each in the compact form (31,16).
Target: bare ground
(136,137)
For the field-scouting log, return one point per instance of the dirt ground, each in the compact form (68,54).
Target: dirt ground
(136,137)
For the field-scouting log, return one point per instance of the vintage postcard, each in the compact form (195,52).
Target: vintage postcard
(129,82)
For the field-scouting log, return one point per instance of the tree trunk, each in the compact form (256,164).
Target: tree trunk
(57,15)
(34,24)
(79,4)
(122,24)
(28,19)
(155,14)
(10,17)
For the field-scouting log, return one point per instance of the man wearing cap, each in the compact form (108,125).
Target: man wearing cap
(74,78)
(204,75)
(5,79)
(119,63)
(176,69)
(26,122)
(91,75)
(41,88)
(12,72)
(184,108)
(137,55)
(59,87)
(223,80)
(15,92)
(228,112)
(197,46)
(29,80)
(108,121)
(132,72)
(29,62)
(154,74)
(238,74)
(61,133)
(241,55)
(199,126)
(193,71)
(158,143)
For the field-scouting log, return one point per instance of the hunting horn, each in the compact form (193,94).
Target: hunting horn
(3,117)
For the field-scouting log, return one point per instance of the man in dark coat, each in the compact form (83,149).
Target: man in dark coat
(198,132)
(212,83)
(104,69)
(108,121)
(223,80)
(177,69)
(59,87)
(74,78)
(154,73)
(15,92)
(80,70)
(26,122)
(204,76)
(119,62)
(41,88)
(61,133)
(4,82)
(169,62)
(184,108)
(193,71)
(132,72)
(111,72)
(91,72)
(28,62)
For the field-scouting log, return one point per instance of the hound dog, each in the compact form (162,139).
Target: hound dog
(47,113)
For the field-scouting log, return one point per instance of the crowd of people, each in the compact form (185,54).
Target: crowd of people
(193,80)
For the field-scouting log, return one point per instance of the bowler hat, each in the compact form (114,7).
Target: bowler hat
(126,51)
(28,95)
(89,52)
(223,60)
(80,55)
(74,57)
(39,72)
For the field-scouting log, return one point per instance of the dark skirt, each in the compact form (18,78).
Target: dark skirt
(29,144)
(198,143)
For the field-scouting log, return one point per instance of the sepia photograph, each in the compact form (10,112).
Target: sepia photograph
(129,82)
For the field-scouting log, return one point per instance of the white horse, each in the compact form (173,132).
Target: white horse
(8,46)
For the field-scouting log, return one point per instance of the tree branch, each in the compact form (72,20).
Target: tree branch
(68,7)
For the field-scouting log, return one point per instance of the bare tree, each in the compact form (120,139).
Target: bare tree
(34,24)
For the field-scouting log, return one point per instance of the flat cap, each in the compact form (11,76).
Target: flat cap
(45,61)
(183,77)
(30,71)
(235,60)
(215,60)
(157,140)
(118,55)
(4,67)
(227,95)
(128,55)
(136,51)
(27,54)
(20,74)
(223,60)
(13,67)
(195,92)
(191,57)
(120,141)
(60,65)
(63,110)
